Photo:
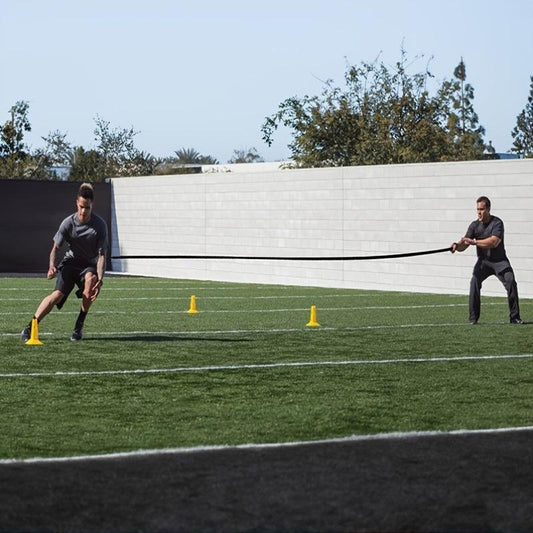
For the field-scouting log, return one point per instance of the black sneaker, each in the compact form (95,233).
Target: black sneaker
(26,333)
(76,334)
(473,322)
(516,321)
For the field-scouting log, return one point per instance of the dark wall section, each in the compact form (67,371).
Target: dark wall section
(30,214)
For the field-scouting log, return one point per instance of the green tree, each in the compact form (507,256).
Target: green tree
(57,148)
(144,164)
(87,165)
(56,152)
(246,155)
(523,131)
(185,161)
(382,115)
(117,154)
(464,134)
(325,129)
(13,150)
(116,147)
(399,118)
(189,156)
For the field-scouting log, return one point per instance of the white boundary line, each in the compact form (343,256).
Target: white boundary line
(251,446)
(126,334)
(262,310)
(144,289)
(278,310)
(261,366)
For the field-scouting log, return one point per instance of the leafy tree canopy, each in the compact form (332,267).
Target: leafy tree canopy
(13,150)
(523,131)
(246,155)
(382,115)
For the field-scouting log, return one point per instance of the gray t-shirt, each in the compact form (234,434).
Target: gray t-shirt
(86,241)
(479,230)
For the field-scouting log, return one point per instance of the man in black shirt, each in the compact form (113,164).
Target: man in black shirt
(486,234)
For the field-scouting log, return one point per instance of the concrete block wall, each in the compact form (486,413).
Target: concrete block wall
(350,211)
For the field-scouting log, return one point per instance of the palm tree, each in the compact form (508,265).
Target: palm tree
(187,156)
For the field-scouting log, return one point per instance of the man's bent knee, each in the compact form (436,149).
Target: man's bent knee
(91,279)
(56,297)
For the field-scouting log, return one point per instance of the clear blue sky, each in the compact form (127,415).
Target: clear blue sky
(204,74)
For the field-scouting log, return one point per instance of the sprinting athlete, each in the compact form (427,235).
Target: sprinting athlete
(486,234)
(83,264)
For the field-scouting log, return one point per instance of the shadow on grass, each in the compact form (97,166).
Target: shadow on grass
(524,323)
(163,338)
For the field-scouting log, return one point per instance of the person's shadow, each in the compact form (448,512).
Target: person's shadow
(161,338)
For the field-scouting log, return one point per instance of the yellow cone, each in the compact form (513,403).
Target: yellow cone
(312,320)
(34,337)
(192,309)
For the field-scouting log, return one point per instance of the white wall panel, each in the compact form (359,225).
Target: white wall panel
(325,212)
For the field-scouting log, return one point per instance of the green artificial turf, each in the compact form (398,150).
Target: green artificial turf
(212,379)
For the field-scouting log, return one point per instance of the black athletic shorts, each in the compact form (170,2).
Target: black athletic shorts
(70,274)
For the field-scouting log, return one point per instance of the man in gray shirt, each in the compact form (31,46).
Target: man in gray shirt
(486,234)
(83,264)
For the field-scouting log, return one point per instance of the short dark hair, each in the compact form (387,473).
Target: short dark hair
(485,200)
(86,191)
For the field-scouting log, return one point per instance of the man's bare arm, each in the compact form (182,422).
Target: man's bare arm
(100,267)
(52,266)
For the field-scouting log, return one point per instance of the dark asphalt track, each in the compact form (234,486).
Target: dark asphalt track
(448,483)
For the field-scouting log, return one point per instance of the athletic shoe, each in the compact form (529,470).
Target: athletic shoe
(76,334)
(26,333)
(516,321)
(473,322)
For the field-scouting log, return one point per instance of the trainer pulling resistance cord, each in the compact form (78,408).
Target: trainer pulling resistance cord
(269,258)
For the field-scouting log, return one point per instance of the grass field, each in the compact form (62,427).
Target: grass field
(247,369)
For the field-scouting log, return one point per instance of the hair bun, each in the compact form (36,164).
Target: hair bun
(86,191)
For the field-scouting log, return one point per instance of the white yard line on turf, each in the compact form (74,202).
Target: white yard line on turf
(182,288)
(147,289)
(125,334)
(262,366)
(142,298)
(269,445)
(280,310)
(247,311)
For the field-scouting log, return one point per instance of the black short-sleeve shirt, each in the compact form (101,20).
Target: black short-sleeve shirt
(480,230)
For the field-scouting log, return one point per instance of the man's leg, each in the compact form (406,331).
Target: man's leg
(90,280)
(48,304)
(479,275)
(55,298)
(509,282)
(58,297)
